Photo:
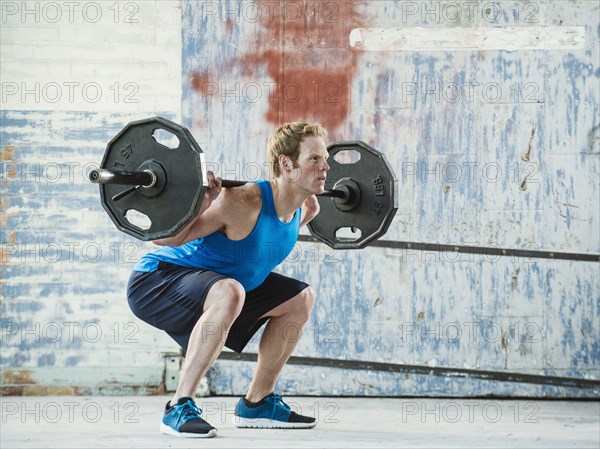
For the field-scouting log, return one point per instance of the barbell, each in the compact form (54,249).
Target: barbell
(164,173)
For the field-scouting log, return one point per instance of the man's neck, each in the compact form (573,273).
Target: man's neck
(286,199)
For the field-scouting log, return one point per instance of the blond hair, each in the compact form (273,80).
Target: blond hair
(286,140)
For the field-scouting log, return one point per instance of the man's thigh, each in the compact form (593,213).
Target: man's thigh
(274,291)
(171,298)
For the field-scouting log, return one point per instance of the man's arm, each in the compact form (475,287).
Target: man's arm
(310,209)
(206,222)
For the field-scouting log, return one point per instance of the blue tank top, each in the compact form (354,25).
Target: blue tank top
(249,261)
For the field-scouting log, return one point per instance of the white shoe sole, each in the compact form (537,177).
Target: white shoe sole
(264,423)
(169,431)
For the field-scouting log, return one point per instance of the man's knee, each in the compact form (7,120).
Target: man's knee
(227,298)
(305,302)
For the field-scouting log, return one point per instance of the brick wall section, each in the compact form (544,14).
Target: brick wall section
(73,74)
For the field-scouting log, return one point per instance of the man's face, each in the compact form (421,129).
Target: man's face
(311,168)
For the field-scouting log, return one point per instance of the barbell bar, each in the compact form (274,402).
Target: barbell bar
(167,181)
(147,179)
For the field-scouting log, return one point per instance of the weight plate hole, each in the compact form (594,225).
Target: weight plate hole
(166,138)
(347,234)
(347,157)
(138,219)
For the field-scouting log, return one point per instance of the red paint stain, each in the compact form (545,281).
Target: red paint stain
(202,82)
(229,25)
(303,48)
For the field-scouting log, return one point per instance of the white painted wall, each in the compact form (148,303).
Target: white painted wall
(104,56)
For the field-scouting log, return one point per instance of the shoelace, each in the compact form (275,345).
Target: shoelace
(276,400)
(189,410)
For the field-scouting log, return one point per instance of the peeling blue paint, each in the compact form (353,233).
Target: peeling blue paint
(46,360)
(73,360)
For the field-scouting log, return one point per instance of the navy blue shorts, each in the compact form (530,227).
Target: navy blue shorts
(172,298)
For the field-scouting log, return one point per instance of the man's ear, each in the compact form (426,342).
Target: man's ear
(285,162)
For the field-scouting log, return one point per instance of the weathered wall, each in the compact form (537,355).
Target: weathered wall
(488,112)
(73,73)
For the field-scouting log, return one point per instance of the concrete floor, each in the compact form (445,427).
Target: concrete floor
(132,422)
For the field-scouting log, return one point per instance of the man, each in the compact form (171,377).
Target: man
(218,273)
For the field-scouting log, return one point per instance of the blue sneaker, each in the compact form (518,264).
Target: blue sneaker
(270,413)
(183,420)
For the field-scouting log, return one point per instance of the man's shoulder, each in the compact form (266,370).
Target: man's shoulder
(246,196)
(240,207)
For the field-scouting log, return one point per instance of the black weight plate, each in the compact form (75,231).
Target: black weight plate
(378,199)
(185,184)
